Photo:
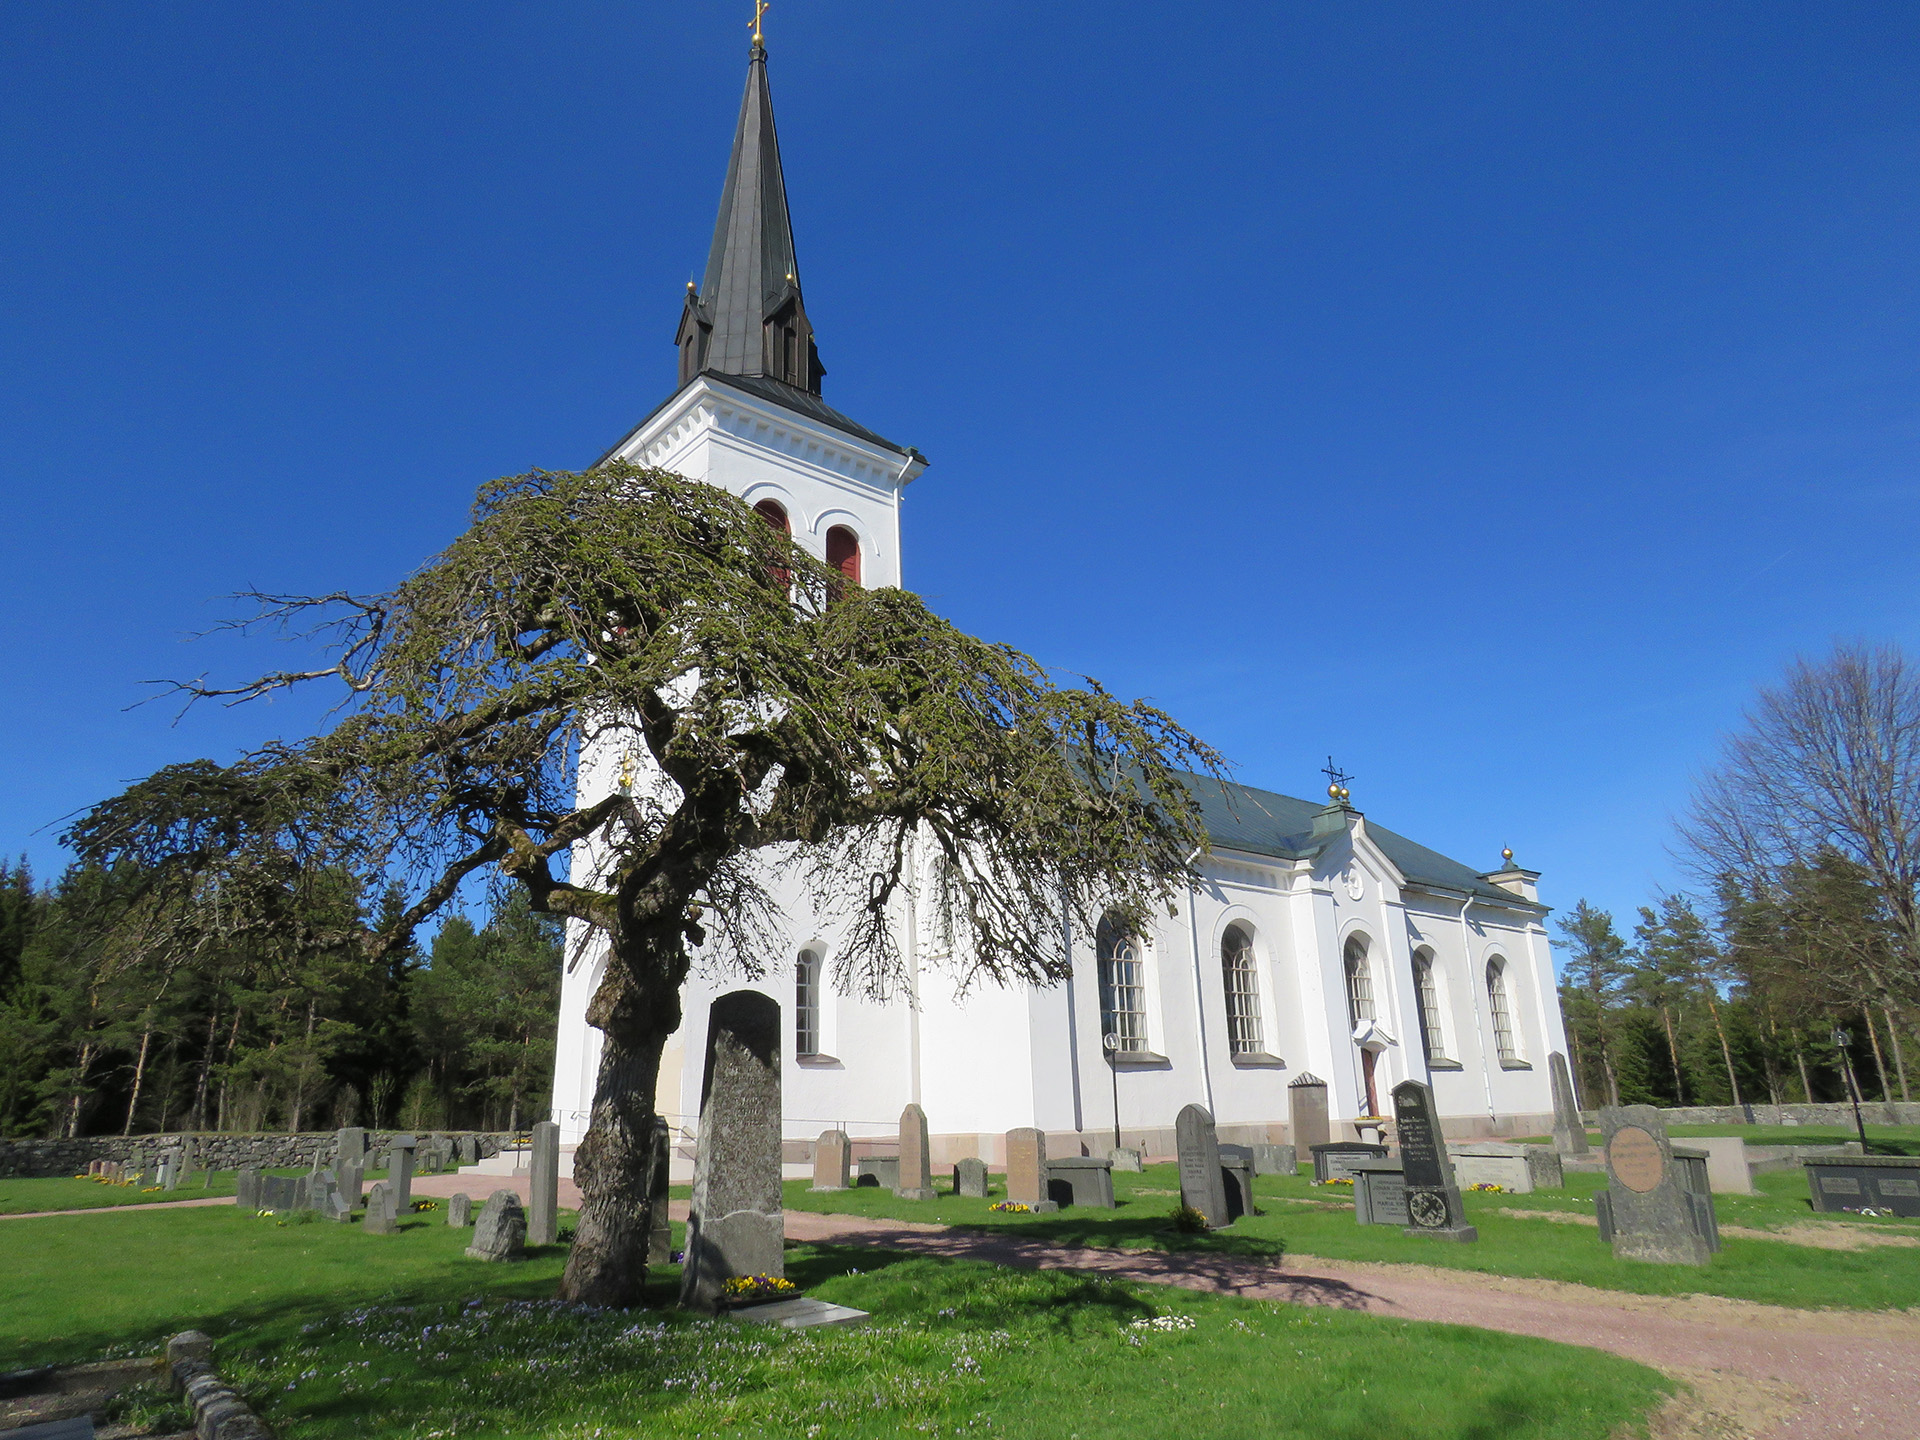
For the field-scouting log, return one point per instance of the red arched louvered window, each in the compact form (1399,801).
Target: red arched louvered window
(843,552)
(775,514)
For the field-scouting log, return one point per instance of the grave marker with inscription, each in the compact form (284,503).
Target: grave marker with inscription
(1569,1130)
(1307,1113)
(736,1227)
(832,1157)
(501,1231)
(1203,1187)
(1379,1193)
(916,1166)
(1857,1182)
(1648,1210)
(383,1214)
(1433,1197)
(1027,1169)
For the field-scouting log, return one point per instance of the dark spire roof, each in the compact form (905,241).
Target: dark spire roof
(747,317)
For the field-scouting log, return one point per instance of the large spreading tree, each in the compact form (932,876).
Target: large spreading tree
(742,712)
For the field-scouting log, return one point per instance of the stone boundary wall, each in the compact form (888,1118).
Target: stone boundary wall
(1874,1112)
(210,1150)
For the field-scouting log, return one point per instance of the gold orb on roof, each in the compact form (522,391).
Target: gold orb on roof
(1333,792)
(1507,854)
(1345,793)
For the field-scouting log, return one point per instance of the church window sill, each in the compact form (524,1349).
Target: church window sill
(818,1062)
(1441,1062)
(1515,1065)
(1258,1060)
(1140,1060)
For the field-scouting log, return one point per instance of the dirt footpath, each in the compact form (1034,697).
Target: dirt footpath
(1756,1370)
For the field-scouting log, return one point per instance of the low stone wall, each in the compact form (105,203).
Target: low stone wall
(1874,1112)
(210,1150)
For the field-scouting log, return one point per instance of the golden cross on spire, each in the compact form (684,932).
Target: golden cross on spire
(759,9)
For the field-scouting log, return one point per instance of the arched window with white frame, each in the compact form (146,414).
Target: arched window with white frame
(1500,1006)
(806,1004)
(1242,984)
(1359,982)
(1123,988)
(1427,991)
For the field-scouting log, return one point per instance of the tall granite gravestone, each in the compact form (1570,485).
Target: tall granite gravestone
(1648,1210)
(1202,1185)
(1569,1130)
(970,1178)
(501,1231)
(1433,1199)
(460,1211)
(347,1175)
(1307,1113)
(350,1146)
(278,1193)
(832,1160)
(916,1165)
(735,1227)
(660,1225)
(543,1223)
(469,1146)
(400,1172)
(383,1212)
(1027,1169)
(246,1188)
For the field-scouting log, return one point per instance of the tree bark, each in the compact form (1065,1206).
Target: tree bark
(140,1072)
(614,1168)
(1806,1081)
(197,1116)
(1899,1055)
(1879,1061)
(1673,1053)
(1726,1051)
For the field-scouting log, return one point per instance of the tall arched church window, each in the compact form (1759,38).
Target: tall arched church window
(806,1004)
(1429,998)
(1359,982)
(775,514)
(1123,988)
(843,552)
(1243,992)
(1500,1005)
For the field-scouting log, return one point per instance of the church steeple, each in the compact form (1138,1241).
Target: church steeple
(747,317)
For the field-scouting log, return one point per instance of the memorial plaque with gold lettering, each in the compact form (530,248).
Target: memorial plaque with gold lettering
(1635,1158)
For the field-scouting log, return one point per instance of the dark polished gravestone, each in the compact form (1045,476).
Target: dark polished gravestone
(1656,1206)
(735,1227)
(1379,1193)
(400,1172)
(1865,1182)
(970,1178)
(1084,1180)
(1336,1161)
(1433,1199)
(1203,1186)
(1569,1130)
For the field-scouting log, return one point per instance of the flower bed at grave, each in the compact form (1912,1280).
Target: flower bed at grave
(1011,1207)
(754,1289)
(1346,1180)
(1487,1187)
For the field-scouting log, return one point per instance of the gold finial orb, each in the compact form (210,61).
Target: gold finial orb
(1333,792)
(1345,794)
(1507,854)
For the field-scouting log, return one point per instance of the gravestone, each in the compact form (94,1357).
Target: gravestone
(460,1211)
(323,1195)
(543,1221)
(383,1214)
(660,1226)
(880,1170)
(1473,1166)
(970,1178)
(1569,1130)
(469,1149)
(1128,1159)
(246,1188)
(278,1193)
(736,1227)
(1276,1160)
(1309,1124)
(1433,1199)
(501,1231)
(1862,1182)
(1548,1171)
(168,1180)
(916,1169)
(1334,1161)
(350,1145)
(1648,1211)
(348,1176)
(1203,1187)
(1728,1172)
(400,1172)
(1380,1193)
(1236,1169)
(441,1153)
(1084,1180)
(832,1156)
(1027,1169)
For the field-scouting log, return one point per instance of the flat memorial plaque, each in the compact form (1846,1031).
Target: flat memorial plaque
(802,1314)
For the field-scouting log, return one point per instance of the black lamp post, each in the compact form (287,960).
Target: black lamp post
(1110,1042)
(1841,1040)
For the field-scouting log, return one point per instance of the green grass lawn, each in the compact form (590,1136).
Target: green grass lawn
(334,1333)
(1305,1219)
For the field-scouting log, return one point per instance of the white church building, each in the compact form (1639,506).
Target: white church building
(1316,945)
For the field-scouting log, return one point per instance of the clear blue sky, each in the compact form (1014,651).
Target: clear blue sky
(1490,395)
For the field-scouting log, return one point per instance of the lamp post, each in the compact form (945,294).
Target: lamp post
(1110,1042)
(1841,1040)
